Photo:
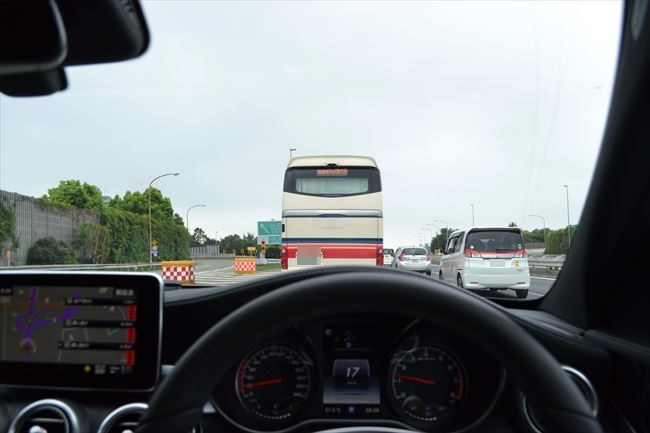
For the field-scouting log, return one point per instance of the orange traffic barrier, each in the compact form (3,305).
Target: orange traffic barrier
(181,270)
(245,265)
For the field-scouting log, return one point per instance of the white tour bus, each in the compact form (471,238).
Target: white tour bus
(332,212)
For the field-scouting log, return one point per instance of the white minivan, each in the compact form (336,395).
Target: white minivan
(492,258)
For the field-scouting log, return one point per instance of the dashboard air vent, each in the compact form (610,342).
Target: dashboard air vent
(125,419)
(46,416)
(585,386)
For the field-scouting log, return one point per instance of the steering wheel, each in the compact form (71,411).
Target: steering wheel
(177,404)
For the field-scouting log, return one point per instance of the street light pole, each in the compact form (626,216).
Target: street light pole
(568,219)
(446,230)
(421,240)
(472,205)
(430,232)
(187,215)
(543,225)
(291,150)
(149,190)
(437,232)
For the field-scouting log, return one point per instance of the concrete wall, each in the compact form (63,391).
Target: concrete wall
(35,220)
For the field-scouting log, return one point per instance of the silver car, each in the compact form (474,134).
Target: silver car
(415,259)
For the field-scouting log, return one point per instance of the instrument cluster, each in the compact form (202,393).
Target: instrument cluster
(377,371)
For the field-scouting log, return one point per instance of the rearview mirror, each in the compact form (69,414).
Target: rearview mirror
(33,36)
(39,38)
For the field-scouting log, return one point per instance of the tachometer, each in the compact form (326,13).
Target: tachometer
(274,382)
(427,383)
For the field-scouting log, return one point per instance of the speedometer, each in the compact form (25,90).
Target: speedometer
(274,382)
(427,383)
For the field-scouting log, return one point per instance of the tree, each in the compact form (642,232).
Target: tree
(49,251)
(236,242)
(557,241)
(91,242)
(8,228)
(138,202)
(73,193)
(536,235)
(7,222)
(439,242)
(198,238)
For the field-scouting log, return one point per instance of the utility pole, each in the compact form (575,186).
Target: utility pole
(568,218)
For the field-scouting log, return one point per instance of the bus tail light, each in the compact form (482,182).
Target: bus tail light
(380,256)
(284,259)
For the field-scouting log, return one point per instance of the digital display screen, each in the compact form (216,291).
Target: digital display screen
(351,383)
(78,333)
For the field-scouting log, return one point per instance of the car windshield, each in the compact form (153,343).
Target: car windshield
(255,138)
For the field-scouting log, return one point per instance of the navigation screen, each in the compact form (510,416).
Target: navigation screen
(92,333)
(97,327)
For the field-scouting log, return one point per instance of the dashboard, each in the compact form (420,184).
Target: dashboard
(392,371)
(89,349)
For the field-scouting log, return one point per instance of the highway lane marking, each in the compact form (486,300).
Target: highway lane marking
(214,270)
(226,276)
(543,278)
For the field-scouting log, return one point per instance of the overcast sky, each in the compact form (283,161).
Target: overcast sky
(496,104)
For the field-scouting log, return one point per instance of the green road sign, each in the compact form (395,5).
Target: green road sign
(270,232)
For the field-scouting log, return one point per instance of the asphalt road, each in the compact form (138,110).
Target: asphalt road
(219,273)
(204,265)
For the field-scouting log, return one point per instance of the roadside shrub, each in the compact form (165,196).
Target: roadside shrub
(272,252)
(49,251)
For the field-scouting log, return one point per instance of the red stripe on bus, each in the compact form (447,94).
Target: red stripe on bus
(341,252)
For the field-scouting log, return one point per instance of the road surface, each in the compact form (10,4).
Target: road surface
(220,273)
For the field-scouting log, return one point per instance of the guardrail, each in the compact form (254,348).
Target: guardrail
(137,267)
(548,265)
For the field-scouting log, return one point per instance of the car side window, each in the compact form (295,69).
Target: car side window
(459,242)
(451,245)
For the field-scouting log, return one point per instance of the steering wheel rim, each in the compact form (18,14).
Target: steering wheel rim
(559,405)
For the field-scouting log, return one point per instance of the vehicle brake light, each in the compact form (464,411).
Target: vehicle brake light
(468,252)
(401,257)
(521,254)
(284,259)
(380,256)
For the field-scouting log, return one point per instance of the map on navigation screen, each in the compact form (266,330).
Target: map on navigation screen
(95,326)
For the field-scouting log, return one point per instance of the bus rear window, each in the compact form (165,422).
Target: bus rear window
(495,241)
(332,182)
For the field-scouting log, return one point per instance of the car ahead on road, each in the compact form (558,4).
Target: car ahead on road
(389,253)
(487,258)
(415,259)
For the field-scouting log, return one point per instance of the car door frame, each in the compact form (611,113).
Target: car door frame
(447,262)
